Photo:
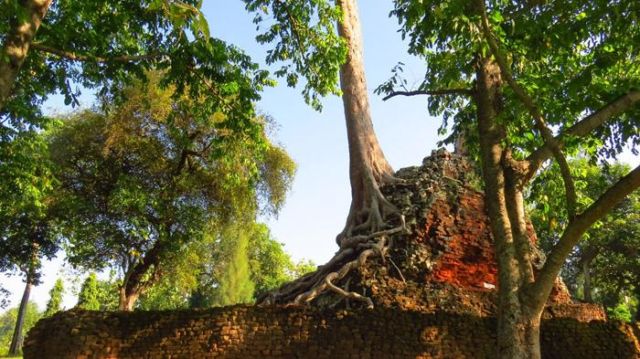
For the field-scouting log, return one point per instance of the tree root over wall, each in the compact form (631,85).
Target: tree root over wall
(353,254)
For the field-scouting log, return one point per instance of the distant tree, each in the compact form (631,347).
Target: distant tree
(89,296)
(206,270)
(7,325)
(54,304)
(271,266)
(146,176)
(605,265)
(234,282)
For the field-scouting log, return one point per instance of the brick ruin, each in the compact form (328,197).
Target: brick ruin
(434,296)
(305,332)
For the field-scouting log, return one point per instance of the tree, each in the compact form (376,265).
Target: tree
(51,47)
(604,267)
(27,231)
(306,41)
(88,298)
(271,266)
(314,50)
(54,304)
(7,324)
(146,176)
(530,82)
(234,282)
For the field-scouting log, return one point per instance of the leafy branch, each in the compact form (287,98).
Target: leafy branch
(534,111)
(69,55)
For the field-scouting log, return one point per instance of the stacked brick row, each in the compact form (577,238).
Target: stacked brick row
(294,332)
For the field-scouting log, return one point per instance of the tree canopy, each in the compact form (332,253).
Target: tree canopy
(142,178)
(102,45)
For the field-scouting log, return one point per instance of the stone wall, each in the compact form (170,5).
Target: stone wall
(294,332)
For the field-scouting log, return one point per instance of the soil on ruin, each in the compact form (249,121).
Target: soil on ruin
(445,260)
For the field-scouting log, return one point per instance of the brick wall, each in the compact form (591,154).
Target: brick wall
(294,332)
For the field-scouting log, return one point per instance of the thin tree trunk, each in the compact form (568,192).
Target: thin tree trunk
(17,43)
(587,282)
(16,340)
(368,167)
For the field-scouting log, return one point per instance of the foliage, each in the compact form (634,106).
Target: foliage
(54,304)
(4,297)
(570,56)
(621,312)
(146,176)
(98,294)
(270,265)
(27,232)
(88,298)
(609,250)
(8,322)
(234,282)
(305,41)
(100,45)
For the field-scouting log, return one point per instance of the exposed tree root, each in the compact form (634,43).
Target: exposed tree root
(352,255)
(375,211)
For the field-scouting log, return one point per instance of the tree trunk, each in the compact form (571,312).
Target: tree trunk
(518,324)
(587,282)
(368,167)
(128,299)
(16,340)
(17,43)
(139,277)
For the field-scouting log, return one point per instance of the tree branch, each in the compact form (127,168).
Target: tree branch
(540,290)
(534,111)
(17,43)
(458,91)
(88,58)
(584,127)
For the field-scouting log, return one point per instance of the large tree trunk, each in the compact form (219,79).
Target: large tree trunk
(16,340)
(518,325)
(368,167)
(17,43)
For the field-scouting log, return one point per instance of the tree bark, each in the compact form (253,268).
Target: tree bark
(134,282)
(17,339)
(128,298)
(518,324)
(587,282)
(368,167)
(17,43)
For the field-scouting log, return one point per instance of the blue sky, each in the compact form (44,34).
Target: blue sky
(316,209)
